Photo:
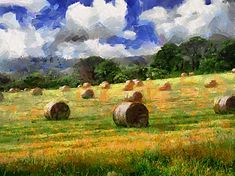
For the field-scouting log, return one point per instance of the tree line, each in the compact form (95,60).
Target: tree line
(197,55)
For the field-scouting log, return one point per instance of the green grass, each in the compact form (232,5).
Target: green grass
(185,136)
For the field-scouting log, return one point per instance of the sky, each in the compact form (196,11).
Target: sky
(107,28)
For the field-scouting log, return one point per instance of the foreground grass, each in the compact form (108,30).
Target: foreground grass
(185,137)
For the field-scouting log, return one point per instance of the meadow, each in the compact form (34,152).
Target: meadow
(185,136)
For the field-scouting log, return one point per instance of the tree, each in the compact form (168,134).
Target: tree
(168,58)
(227,53)
(195,49)
(106,71)
(86,68)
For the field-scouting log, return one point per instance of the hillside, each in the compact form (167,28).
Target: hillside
(185,136)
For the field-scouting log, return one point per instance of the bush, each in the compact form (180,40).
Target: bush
(156,73)
(211,64)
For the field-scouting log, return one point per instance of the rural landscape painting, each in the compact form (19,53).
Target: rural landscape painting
(117,87)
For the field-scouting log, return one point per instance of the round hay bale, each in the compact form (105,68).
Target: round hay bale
(211,84)
(36,91)
(57,111)
(128,87)
(86,85)
(130,82)
(138,83)
(184,74)
(14,90)
(87,94)
(224,105)
(65,88)
(233,70)
(165,87)
(26,89)
(191,73)
(105,85)
(131,114)
(134,96)
(1,96)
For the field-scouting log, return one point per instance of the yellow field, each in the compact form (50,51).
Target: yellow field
(184,136)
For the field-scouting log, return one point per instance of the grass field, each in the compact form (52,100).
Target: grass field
(185,136)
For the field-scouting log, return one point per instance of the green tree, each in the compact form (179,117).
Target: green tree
(168,58)
(195,49)
(86,68)
(106,71)
(227,53)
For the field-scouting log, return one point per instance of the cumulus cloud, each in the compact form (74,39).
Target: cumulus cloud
(102,20)
(193,18)
(16,41)
(32,5)
(95,48)
(86,26)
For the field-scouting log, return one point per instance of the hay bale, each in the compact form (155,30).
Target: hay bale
(105,85)
(233,70)
(1,96)
(130,82)
(191,73)
(57,111)
(14,90)
(128,87)
(134,96)
(138,83)
(224,105)
(65,88)
(87,94)
(36,91)
(26,89)
(131,114)
(86,85)
(165,87)
(184,74)
(211,84)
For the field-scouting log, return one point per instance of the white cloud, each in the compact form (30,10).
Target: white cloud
(32,5)
(192,18)
(95,48)
(16,41)
(129,35)
(102,20)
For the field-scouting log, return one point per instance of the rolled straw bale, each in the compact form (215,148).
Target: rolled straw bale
(36,91)
(87,94)
(131,114)
(26,89)
(184,74)
(233,70)
(14,90)
(138,83)
(211,84)
(224,105)
(86,85)
(134,96)
(191,73)
(165,87)
(57,111)
(65,88)
(105,85)
(1,96)
(128,87)
(130,82)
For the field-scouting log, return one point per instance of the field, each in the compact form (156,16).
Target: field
(185,136)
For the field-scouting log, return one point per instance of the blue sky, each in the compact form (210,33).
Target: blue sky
(144,28)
